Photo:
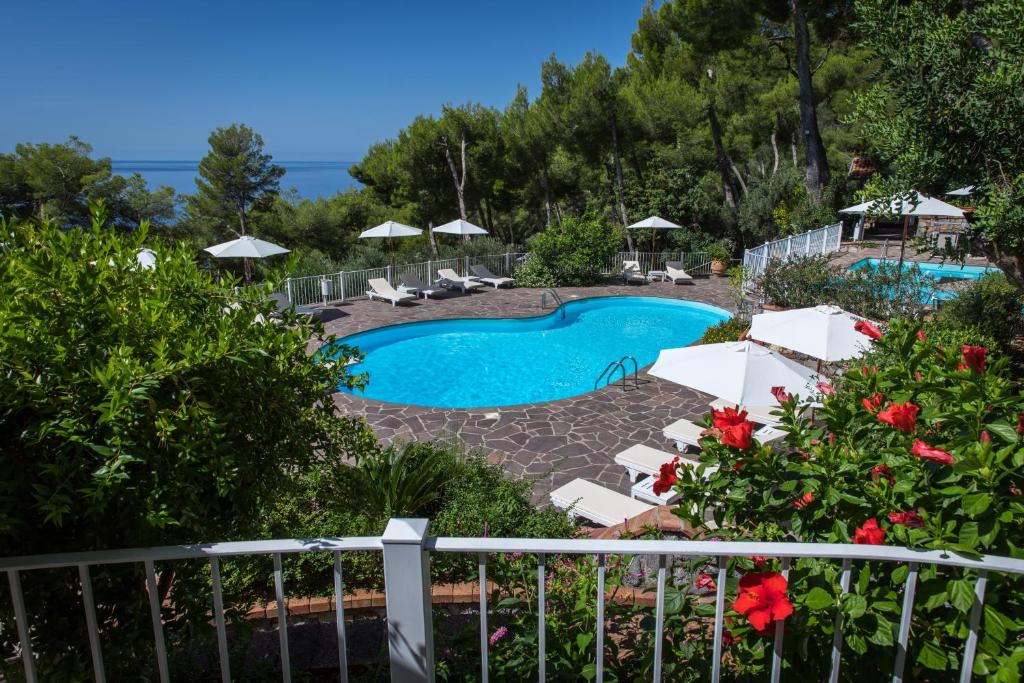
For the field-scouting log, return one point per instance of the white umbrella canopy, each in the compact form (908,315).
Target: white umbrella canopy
(917,205)
(391,229)
(743,373)
(822,332)
(246,246)
(965,191)
(460,227)
(654,222)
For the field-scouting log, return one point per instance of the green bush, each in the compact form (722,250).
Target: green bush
(799,282)
(991,305)
(725,331)
(572,254)
(882,292)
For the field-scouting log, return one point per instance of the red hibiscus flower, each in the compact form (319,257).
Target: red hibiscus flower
(926,452)
(705,582)
(666,478)
(902,416)
(780,394)
(738,435)
(804,500)
(727,417)
(985,437)
(883,471)
(758,560)
(869,533)
(908,519)
(873,402)
(921,336)
(868,329)
(825,389)
(974,357)
(1020,423)
(762,599)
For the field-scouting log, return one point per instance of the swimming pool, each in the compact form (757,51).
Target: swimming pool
(935,271)
(476,363)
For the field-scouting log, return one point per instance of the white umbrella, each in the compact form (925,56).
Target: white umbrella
(146,258)
(246,246)
(965,191)
(743,373)
(822,332)
(460,227)
(391,229)
(654,223)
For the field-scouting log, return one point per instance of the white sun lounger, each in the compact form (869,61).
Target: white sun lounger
(676,273)
(483,274)
(631,272)
(412,284)
(759,414)
(380,289)
(686,433)
(452,280)
(582,498)
(639,459)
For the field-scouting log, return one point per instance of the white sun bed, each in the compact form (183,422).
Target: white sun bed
(381,289)
(759,414)
(631,272)
(686,433)
(412,284)
(582,498)
(483,274)
(639,459)
(452,280)
(675,272)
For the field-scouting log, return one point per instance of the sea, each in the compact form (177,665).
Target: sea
(309,179)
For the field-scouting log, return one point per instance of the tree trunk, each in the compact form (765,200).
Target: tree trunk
(739,178)
(620,185)
(547,194)
(775,153)
(792,148)
(433,240)
(722,161)
(458,179)
(817,176)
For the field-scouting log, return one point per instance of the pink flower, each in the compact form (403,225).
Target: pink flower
(825,389)
(498,635)
(705,582)
(879,471)
(780,394)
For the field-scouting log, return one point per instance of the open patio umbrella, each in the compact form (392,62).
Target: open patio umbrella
(908,204)
(743,373)
(461,227)
(654,223)
(822,332)
(246,247)
(390,230)
(965,191)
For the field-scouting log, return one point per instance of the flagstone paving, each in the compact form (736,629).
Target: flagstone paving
(548,443)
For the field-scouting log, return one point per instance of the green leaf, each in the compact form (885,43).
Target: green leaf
(932,657)
(819,599)
(976,503)
(961,594)
(969,534)
(1004,431)
(855,605)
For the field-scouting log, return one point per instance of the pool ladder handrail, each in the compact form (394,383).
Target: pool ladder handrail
(620,364)
(554,295)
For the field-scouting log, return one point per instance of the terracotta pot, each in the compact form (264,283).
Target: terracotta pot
(718,268)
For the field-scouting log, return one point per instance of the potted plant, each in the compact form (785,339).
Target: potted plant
(719,252)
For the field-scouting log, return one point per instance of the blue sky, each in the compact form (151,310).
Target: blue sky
(319,80)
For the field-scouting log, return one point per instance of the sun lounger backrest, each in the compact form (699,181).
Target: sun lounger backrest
(631,265)
(381,286)
(449,274)
(482,271)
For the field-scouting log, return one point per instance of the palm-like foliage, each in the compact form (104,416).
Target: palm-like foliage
(400,481)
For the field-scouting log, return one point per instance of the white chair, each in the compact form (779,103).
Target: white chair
(411,283)
(483,274)
(631,272)
(674,271)
(639,459)
(447,277)
(381,289)
(582,498)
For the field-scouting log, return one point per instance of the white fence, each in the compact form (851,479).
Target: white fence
(824,240)
(353,284)
(406,549)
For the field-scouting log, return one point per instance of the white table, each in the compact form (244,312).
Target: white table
(657,275)
(644,490)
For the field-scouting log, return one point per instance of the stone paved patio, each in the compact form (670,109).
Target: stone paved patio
(548,443)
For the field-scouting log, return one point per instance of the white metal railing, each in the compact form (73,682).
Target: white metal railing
(824,240)
(353,284)
(406,550)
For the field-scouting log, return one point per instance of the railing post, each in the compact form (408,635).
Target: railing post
(388,271)
(430,271)
(288,288)
(341,280)
(508,263)
(407,596)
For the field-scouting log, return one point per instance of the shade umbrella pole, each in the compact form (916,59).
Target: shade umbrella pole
(903,248)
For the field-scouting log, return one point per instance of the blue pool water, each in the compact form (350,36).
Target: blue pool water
(475,363)
(936,271)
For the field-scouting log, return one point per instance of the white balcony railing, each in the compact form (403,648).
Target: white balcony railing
(822,241)
(406,551)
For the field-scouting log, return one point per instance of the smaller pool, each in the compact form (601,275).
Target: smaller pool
(935,271)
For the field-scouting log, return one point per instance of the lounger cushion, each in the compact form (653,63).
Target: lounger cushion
(596,503)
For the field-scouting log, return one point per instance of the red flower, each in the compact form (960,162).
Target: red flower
(974,357)
(985,438)
(759,560)
(921,335)
(873,402)
(907,519)
(666,478)
(926,452)
(738,435)
(868,329)
(825,389)
(804,500)
(902,416)
(917,375)
(1020,423)
(727,417)
(883,471)
(705,582)
(780,394)
(869,533)
(762,599)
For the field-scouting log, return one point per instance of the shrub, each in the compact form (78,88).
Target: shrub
(922,449)
(799,282)
(571,254)
(725,331)
(991,305)
(882,292)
